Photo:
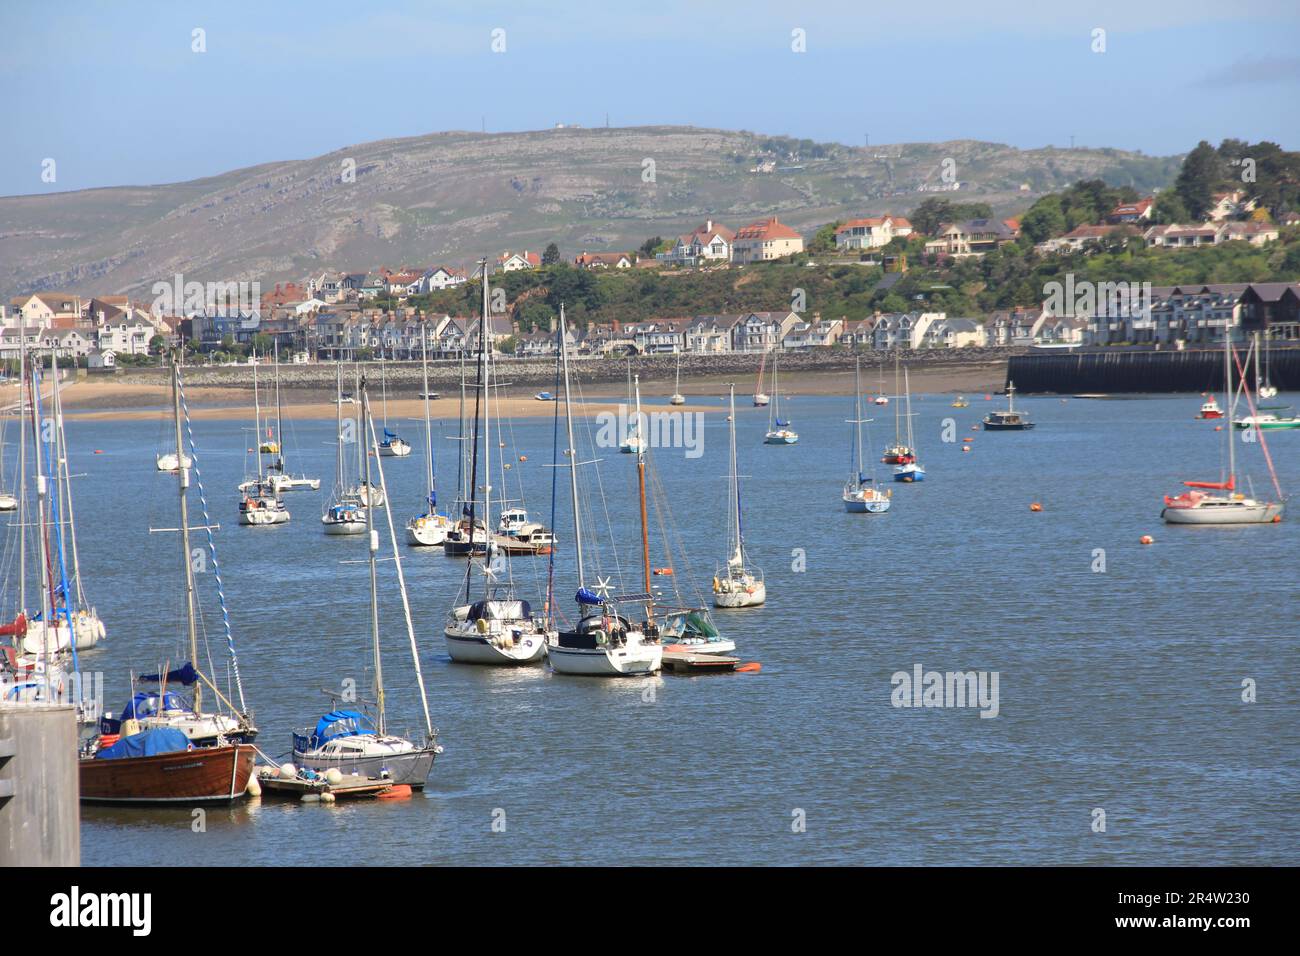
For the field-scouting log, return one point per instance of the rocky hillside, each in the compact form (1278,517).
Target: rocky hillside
(452,197)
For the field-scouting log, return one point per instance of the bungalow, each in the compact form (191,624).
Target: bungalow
(1174,236)
(514,261)
(710,242)
(1256,233)
(1081,236)
(764,240)
(604,260)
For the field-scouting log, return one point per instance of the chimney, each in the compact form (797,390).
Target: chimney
(708,225)
(552,325)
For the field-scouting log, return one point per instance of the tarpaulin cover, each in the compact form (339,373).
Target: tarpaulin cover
(146,704)
(185,674)
(585,596)
(160,740)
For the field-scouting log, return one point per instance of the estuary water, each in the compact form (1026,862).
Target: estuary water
(1120,667)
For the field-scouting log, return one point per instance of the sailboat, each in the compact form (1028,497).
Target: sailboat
(1010,420)
(362,491)
(346,512)
(491,625)
(605,641)
(760,397)
(260,504)
(736,584)
(911,470)
(175,753)
(634,443)
(1201,506)
(1263,417)
(8,501)
(1263,387)
(778,432)
(677,397)
(278,475)
(391,446)
(899,453)
(860,492)
(428,529)
(348,739)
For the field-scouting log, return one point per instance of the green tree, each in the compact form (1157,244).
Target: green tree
(551,254)
(823,239)
(1169,209)
(1203,172)
(1044,219)
(507,344)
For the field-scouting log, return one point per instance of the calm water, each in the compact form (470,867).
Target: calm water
(1118,690)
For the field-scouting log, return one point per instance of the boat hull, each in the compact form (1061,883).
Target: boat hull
(343,527)
(909,473)
(1254,513)
(780,438)
(202,775)
(606,662)
(426,532)
(263,518)
(741,598)
(398,449)
(876,506)
(477,648)
(1004,427)
(411,768)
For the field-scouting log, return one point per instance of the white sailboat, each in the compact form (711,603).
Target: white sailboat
(278,475)
(260,504)
(605,641)
(761,397)
(634,443)
(429,529)
(910,470)
(736,584)
(362,491)
(465,537)
(861,496)
(8,501)
(346,513)
(491,624)
(348,740)
(392,446)
(778,432)
(1200,505)
(677,397)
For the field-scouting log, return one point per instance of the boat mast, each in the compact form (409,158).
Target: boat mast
(257,423)
(640,480)
(42,499)
(857,415)
(735,477)
(907,387)
(571,451)
(22,468)
(362,487)
(183,483)
(485,342)
(372,537)
(1227,373)
(279,414)
(1011,397)
(428,427)
(64,480)
(338,429)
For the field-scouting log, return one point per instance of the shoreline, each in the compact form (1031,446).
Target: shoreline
(95,399)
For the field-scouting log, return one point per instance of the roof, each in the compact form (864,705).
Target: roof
(765,230)
(707,231)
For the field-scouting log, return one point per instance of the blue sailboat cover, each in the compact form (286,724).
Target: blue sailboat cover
(185,674)
(389,435)
(160,740)
(586,596)
(335,724)
(146,704)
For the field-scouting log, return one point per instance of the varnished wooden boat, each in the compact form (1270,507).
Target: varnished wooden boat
(186,776)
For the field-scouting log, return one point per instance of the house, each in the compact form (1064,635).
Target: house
(1014,327)
(46,310)
(1288,219)
(710,242)
(514,261)
(1229,205)
(710,334)
(764,240)
(441,277)
(659,337)
(326,286)
(1061,330)
(871,233)
(1174,236)
(1256,233)
(604,260)
(374,285)
(125,336)
(284,294)
(859,334)
(946,333)
(405,283)
(65,343)
(761,331)
(1132,212)
(101,361)
(903,331)
(1272,308)
(974,237)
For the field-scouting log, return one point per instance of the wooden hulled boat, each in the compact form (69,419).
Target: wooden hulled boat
(161,766)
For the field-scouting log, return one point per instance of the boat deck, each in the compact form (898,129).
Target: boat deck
(349,786)
(689,662)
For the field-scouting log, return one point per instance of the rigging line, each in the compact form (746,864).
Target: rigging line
(53,512)
(1259,432)
(212,549)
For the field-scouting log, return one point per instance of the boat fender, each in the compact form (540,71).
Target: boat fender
(254,788)
(288,771)
(327,797)
(334,776)
(481,626)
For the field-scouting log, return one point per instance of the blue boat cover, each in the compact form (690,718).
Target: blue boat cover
(185,674)
(145,704)
(389,435)
(783,424)
(585,596)
(340,723)
(160,740)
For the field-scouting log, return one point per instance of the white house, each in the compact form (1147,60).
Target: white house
(710,242)
(871,233)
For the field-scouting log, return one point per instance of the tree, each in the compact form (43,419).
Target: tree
(823,239)
(156,345)
(650,247)
(551,254)
(1044,219)
(935,211)
(506,345)
(1203,172)
(1169,209)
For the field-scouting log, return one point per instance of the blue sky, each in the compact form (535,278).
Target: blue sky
(114,94)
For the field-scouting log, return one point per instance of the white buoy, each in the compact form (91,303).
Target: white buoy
(327,797)
(333,776)
(254,788)
(288,771)
(311,798)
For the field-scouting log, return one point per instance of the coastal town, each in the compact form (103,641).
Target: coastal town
(383,313)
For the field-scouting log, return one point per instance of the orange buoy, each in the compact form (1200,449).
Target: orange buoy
(1277,519)
(965,447)
(667,571)
(1218,428)
(398,792)
(1147,539)
(968,438)
(988,398)
(99,451)
(523,457)
(1035,506)
(753,667)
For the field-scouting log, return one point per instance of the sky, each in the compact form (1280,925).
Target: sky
(115,93)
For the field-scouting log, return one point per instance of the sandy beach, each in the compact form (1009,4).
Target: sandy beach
(117,400)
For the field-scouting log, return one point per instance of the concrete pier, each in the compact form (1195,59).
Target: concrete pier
(40,816)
